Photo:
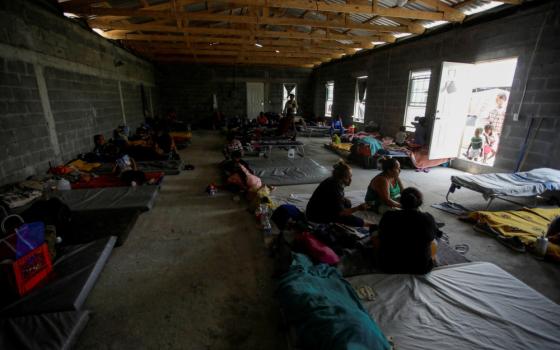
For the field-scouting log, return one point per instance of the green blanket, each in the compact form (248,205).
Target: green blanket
(325,310)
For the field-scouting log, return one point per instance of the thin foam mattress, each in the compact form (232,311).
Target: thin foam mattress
(140,197)
(465,306)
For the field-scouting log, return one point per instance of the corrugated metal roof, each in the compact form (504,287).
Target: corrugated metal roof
(468,7)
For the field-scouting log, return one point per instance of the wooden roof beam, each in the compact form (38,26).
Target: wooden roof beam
(373,9)
(217,61)
(364,40)
(449,13)
(282,21)
(238,52)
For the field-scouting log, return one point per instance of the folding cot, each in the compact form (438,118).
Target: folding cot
(499,185)
(268,145)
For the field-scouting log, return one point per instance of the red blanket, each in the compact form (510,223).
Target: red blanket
(112,180)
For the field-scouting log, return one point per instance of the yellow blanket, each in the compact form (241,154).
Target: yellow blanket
(181,134)
(342,146)
(83,166)
(528,224)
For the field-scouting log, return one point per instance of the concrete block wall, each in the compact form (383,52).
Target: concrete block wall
(189,89)
(132,101)
(59,86)
(24,134)
(507,34)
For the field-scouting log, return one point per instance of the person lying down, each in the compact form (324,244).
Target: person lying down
(240,174)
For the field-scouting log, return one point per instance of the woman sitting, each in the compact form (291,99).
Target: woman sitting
(407,237)
(384,190)
(328,204)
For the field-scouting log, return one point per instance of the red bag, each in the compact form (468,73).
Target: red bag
(317,250)
(28,271)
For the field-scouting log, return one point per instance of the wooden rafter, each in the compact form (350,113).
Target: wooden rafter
(168,31)
(265,20)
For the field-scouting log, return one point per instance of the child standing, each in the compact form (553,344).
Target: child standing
(475,147)
(489,142)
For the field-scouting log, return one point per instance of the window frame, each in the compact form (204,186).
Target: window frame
(409,94)
(357,102)
(327,100)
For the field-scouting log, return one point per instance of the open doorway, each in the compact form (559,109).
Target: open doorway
(487,109)
(287,90)
(472,102)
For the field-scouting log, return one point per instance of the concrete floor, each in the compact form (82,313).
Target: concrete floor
(193,273)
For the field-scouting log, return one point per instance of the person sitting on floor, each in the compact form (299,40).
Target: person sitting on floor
(100,146)
(240,174)
(421,131)
(337,126)
(328,204)
(262,120)
(407,237)
(164,144)
(400,137)
(102,151)
(384,190)
(127,170)
(232,145)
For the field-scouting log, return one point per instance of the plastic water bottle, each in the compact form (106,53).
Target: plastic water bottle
(265,221)
(291,153)
(541,246)
(63,185)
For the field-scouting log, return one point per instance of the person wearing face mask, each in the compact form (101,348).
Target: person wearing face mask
(384,190)
(328,204)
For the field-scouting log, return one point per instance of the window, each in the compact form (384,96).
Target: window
(288,89)
(329,96)
(418,86)
(360,100)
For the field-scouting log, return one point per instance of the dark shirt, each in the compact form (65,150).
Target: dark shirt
(165,141)
(327,201)
(405,238)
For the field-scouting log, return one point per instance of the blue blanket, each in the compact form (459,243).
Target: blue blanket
(325,310)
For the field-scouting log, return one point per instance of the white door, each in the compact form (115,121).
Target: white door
(255,99)
(455,89)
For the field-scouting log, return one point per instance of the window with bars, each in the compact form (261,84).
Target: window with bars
(418,86)
(329,98)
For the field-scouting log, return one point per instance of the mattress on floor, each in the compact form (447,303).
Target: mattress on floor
(112,180)
(67,287)
(58,330)
(139,197)
(300,200)
(522,184)
(168,167)
(90,225)
(467,306)
(282,172)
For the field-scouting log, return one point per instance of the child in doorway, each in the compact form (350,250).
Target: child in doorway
(489,143)
(475,147)
(400,137)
